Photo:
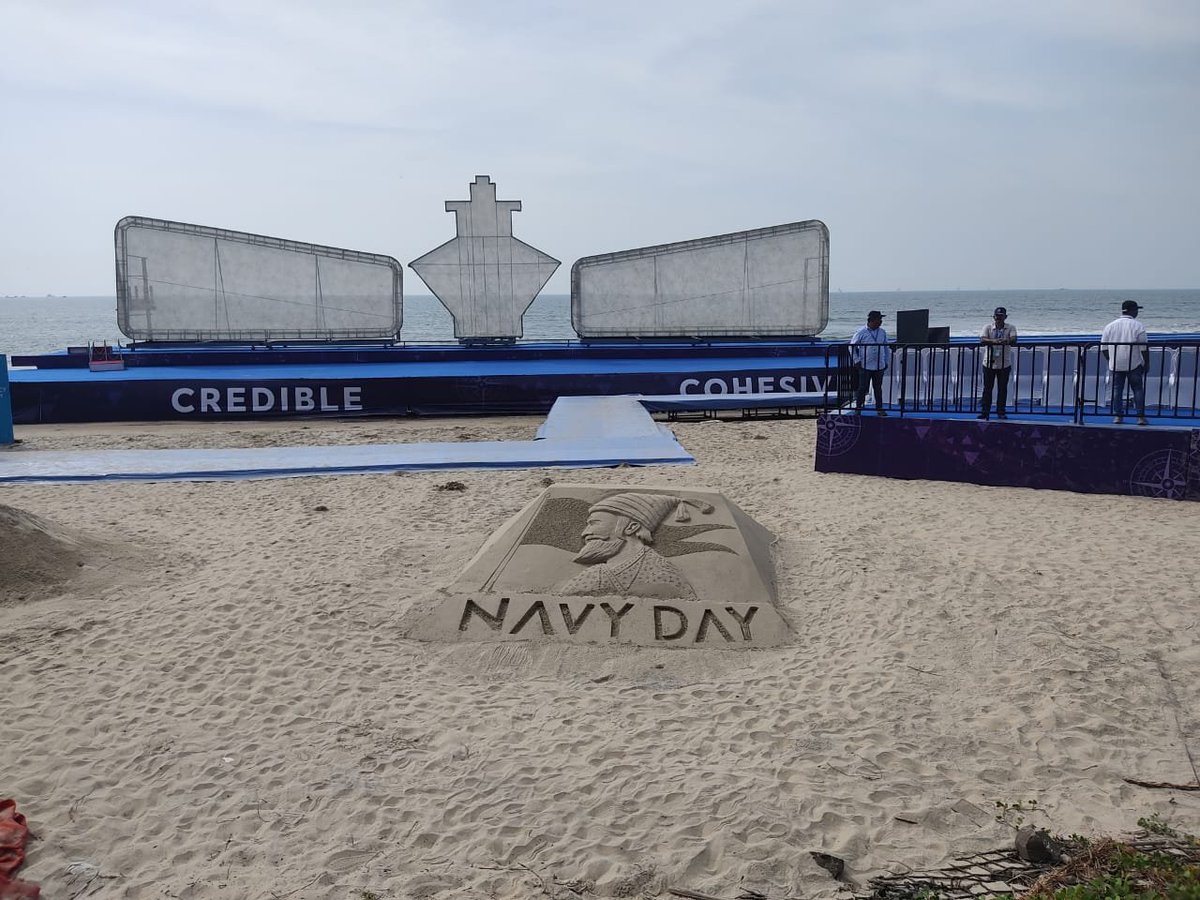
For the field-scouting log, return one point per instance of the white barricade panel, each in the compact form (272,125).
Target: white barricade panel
(178,282)
(765,282)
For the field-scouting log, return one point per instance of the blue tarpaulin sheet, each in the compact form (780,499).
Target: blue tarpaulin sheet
(580,432)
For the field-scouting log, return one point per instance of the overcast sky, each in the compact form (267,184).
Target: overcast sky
(946,143)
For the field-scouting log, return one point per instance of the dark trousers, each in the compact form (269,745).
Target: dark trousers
(869,378)
(999,378)
(1137,384)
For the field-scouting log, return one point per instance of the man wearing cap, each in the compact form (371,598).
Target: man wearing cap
(870,353)
(998,338)
(1123,343)
(616,549)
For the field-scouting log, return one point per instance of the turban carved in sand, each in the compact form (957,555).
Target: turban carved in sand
(650,510)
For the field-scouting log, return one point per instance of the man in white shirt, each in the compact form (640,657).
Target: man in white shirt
(870,353)
(1123,343)
(997,338)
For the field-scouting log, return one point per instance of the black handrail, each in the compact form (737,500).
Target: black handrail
(1046,378)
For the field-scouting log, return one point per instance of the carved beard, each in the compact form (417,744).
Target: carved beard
(597,551)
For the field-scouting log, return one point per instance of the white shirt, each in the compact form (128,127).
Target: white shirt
(1125,330)
(996,356)
(869,349)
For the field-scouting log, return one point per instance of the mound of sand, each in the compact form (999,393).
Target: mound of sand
(39,557)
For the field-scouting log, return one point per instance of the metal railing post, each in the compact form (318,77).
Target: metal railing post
(828,378)
(1080,387)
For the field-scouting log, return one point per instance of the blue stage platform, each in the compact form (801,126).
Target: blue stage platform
(182,382)
(458,381)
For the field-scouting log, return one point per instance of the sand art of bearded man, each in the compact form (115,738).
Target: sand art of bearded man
(617,551)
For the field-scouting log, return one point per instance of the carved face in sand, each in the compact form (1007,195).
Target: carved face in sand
(605,534)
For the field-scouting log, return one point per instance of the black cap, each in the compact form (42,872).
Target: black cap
(1000,311)
(874,314)
(1130,306)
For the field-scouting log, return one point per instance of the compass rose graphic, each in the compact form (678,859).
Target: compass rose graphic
(1162,473)
(837,434)
(484,276)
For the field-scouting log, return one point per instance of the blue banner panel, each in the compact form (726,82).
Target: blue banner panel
(6,419)
(418,390)
(1143,462)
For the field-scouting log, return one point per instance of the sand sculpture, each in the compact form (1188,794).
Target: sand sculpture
(585,563)
(618,549)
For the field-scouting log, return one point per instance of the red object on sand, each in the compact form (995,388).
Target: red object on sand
(13,832)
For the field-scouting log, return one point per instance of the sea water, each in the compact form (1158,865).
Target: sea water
(31,325)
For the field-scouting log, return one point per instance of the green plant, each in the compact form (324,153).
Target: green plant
(1117,871)
(1155,825)
(1013,814)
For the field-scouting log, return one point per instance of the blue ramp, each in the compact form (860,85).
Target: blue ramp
(571,437)
(613,417)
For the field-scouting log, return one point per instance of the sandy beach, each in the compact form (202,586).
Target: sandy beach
(208,691)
